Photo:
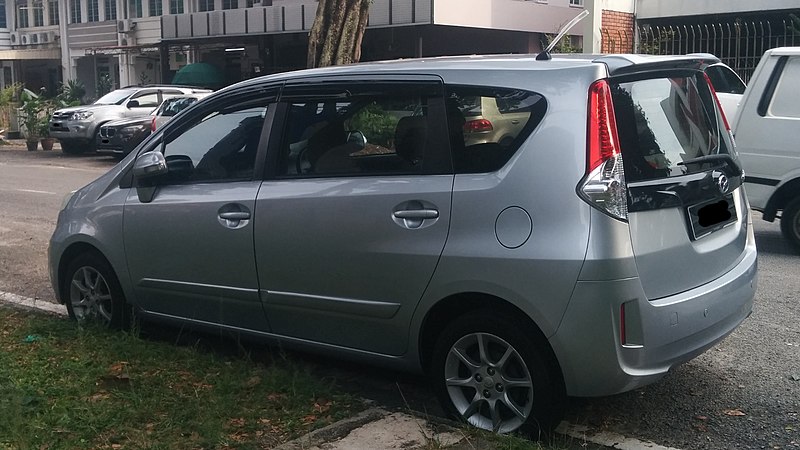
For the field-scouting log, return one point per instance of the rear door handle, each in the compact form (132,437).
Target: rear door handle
(417,214)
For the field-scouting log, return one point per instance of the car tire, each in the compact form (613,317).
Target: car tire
(790,222)
(93,294)
(490,370)
(72,148)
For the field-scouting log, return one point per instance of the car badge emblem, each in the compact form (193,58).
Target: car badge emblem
(723,184)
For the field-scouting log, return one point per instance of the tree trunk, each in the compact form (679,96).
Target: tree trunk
(335,37)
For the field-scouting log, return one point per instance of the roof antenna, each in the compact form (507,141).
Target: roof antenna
(545,55)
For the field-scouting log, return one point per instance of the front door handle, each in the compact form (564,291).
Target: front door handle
(235,215)
(417,214)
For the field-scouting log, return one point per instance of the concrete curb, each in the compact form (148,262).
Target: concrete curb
(33,304)
(335,430)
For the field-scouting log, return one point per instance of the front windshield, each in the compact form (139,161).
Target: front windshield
(115,97)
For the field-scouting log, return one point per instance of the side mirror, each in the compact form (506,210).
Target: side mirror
(133,104)
(358,138)
(150,165)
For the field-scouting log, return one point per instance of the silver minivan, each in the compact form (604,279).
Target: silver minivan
(342,210)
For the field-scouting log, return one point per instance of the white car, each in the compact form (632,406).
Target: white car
(766,130)
(728,86)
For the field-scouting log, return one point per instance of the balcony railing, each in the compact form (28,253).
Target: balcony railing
(284,19)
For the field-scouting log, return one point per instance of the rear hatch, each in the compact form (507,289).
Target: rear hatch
(686,209)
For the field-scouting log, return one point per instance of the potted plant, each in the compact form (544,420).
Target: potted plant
(30,120)
(48,106)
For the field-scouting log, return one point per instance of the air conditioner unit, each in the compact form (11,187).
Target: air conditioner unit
(47,36)
(125,26)
(15,38)
(24,38)
(34,38)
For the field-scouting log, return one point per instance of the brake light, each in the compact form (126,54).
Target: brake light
(478,125)
(153,125)
(716,99)
(604,184)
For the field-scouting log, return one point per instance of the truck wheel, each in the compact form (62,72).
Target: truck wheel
(489,372)
(790,222)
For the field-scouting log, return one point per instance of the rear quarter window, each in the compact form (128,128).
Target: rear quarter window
(488,125)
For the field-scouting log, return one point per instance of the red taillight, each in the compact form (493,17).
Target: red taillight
(153,125)
(716,99)
(478,125)
(604,185)
(603,139)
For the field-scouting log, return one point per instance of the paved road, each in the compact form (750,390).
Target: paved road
(744,393)
(32,186)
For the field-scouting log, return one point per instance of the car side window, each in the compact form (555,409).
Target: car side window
(786,100)
(146,100)
(360,135)
(488,125)
(219,146)
(725,80)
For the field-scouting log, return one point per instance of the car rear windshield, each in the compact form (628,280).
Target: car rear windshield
(664,121)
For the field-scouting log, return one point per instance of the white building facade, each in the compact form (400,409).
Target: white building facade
(125,42)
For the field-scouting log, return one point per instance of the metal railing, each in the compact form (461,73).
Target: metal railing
(739,44)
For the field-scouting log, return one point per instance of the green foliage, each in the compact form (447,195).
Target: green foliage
(104,84)
(8,97)
(794,24)
(376,124)
(66,387)
(71,93)
(564,45)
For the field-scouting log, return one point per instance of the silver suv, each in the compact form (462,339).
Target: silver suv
(342,211)
(77,127)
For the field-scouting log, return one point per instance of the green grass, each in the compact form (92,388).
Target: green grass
(67,387)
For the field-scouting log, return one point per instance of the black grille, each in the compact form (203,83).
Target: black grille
(107,132)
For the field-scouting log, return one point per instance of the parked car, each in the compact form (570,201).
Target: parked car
(119,137)
(728,86)
(341,210)
(76,127)
(766,132)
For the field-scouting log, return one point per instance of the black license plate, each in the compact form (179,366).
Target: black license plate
(708,217)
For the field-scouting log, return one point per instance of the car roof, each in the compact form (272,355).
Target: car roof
(433,65)
(784,51)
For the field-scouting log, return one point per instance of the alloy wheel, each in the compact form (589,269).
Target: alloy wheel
(90,296)
(489,383)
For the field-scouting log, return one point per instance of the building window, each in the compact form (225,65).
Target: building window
(575,2)
(23,18)
(135,8)
(38,13)
(75,11)
(205,5)
(93,11)
(52,13)
(3,21)
(156,8)
(251,3)
(176,6)
(230,4)
(111,9)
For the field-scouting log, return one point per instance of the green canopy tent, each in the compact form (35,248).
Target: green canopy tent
(201,75)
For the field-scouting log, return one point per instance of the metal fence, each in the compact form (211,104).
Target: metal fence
(738,44)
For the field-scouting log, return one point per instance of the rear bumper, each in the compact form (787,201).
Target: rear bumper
(659,334)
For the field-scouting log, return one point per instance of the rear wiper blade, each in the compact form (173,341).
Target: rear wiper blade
(725,157)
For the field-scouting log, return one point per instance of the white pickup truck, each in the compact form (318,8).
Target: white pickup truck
(767,130)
